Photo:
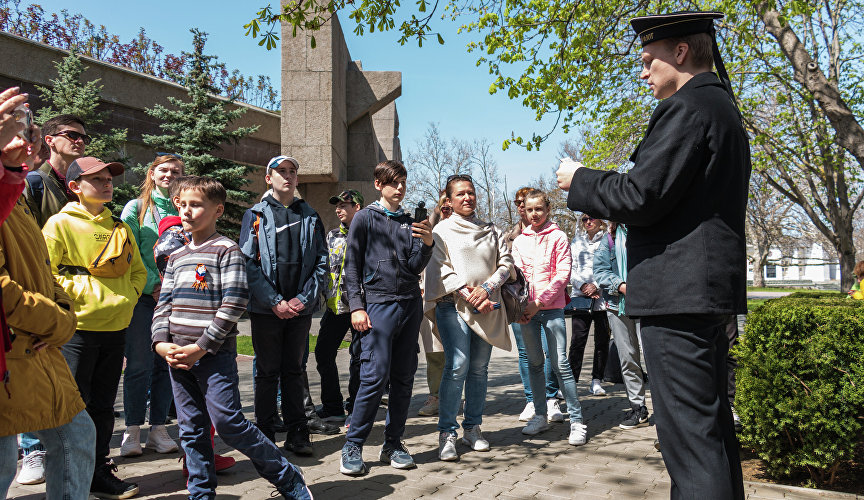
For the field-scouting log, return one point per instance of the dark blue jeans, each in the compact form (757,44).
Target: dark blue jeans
(388,354)
(206,393)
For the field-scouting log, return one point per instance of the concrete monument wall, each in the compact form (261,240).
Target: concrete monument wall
(338,120)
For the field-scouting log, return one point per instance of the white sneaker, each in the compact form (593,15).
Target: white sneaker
(553,411)
(473,438)
(578,434)
(159,441)
(131,445)
(536,425)
(596,389)
(528,413)
(447,446)
(33,468)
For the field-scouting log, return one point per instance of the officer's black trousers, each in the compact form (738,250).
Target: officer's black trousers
(686,357)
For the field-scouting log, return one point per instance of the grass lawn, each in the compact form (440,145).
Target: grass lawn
(244,344)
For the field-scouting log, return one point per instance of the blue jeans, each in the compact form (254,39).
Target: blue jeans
(206,393)
(69,459)
(551,380)
(146,373)
(550,324)
(466,363)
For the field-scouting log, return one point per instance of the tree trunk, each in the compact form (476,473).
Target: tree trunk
(846,252)
(759,267)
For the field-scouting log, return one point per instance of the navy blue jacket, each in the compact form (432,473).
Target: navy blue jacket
(383,262)
(260,253)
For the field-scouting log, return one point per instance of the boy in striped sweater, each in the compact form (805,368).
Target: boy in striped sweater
(204,292)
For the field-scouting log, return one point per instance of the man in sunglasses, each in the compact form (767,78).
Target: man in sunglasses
(46,192)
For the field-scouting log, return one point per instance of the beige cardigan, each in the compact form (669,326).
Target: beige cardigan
(470,252)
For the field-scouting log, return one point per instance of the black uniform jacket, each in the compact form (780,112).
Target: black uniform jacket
(684,202)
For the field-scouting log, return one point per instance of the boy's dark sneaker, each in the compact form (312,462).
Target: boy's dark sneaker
(328,416)
(318,426)
(298,442)
(296,490)
(352,460)
(395,454)
(106,485)
(635,418)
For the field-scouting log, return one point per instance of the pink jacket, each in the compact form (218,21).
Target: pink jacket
(544,258)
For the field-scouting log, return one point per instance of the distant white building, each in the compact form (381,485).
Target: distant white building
(811,263)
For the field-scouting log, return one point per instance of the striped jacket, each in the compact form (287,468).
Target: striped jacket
(204,292)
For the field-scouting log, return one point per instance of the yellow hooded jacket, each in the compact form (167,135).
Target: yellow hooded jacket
(74,238)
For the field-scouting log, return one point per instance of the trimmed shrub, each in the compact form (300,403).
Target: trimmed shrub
(800,383)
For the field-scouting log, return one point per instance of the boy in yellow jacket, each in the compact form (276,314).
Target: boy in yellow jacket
(96,260)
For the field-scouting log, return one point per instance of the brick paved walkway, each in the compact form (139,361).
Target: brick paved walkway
(614,464)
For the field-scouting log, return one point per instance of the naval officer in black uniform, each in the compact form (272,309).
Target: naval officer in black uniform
(684,202)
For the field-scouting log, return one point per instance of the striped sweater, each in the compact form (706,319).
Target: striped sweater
(204,292)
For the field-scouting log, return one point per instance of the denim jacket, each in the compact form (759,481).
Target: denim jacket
(260,253)
(606,274)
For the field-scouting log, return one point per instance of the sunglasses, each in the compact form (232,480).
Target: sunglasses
(75,136)
(586,219)
(172,155)
(446,210)
(460,177)
(518,202)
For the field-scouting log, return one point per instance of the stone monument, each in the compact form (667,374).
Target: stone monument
(338,120)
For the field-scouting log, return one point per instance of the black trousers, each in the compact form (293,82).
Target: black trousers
(333,330)
(280,345)
(581,323)
(96,361)
(686,357)
(731,362)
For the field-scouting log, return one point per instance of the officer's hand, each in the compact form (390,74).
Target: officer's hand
(566,169)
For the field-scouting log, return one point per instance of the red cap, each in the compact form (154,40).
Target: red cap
(169,221)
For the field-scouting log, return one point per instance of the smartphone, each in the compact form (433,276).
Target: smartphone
(23,115)
(420,213)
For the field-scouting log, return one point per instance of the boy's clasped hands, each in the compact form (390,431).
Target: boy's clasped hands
(182,358)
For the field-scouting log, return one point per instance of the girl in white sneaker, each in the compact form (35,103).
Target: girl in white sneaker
(542,252)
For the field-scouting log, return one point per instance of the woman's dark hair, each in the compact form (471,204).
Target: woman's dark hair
(448,189)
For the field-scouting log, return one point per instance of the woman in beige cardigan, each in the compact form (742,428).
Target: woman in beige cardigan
(470,261)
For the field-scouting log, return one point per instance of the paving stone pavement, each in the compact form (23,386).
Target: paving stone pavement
(613,464)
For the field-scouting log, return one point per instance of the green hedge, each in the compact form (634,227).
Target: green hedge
(800,383)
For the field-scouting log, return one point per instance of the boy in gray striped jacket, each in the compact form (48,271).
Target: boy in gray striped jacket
(204,292)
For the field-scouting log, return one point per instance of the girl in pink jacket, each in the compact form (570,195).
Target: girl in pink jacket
(542,252)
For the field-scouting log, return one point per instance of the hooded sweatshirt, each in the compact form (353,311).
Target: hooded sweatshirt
(74,238)
(544,258)
(147,233)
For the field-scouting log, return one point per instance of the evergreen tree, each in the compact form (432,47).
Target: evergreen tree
(68,94)
(197,128)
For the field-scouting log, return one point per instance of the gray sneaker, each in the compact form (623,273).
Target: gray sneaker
(447,446)
(473,438)
(352,460)
(395,454)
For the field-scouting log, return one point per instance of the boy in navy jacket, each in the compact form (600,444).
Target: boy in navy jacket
(282,239)
(387,251)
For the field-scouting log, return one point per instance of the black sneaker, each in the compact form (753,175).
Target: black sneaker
(298,442)
(328,416)
(106,485)
(318,426)
(635,418)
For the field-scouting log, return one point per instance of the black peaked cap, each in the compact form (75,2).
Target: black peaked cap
(653,28)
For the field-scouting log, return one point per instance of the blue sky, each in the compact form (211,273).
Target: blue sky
(440,84)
